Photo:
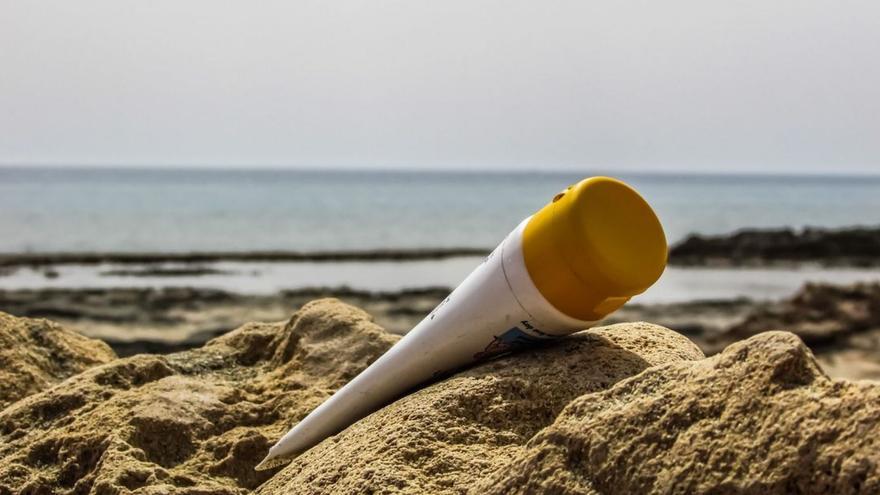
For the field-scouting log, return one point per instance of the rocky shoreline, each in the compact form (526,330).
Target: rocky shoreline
(167,320)
(630,408)
(37,260)
(841,324)
(852,246)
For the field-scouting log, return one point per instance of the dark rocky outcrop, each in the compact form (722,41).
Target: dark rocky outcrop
(855,246)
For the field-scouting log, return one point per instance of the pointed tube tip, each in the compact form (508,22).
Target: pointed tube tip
(272,461)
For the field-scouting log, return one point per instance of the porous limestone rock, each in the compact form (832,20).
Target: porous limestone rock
(629,408)
(193,422)
(36,354)
(760,417)
(446,437)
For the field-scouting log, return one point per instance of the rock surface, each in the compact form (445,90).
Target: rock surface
(629,408)
(445,437)
(193,422)
(758,418)
(36,354)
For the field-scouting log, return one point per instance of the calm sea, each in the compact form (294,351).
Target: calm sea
(238,210)
(190,210)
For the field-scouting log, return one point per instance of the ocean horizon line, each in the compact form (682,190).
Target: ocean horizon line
(451,171)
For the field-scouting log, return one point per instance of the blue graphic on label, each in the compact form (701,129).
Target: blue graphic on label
(508,341)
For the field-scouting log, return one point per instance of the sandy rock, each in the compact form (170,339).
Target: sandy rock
(36,354)
(630,408)
(445,437)
(192,422)
(758,418)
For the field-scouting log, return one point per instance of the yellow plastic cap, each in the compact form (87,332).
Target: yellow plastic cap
(593,247)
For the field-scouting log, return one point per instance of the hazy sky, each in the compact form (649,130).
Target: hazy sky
(755,85)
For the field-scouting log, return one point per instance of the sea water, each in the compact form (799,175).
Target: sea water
(76,209)
(251,210)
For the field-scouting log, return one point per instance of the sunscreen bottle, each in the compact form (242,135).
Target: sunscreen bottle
(582,256)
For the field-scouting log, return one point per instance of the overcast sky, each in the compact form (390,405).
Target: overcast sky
(755,85)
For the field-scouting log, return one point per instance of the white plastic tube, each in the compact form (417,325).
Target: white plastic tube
(499,307)
(495,310)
